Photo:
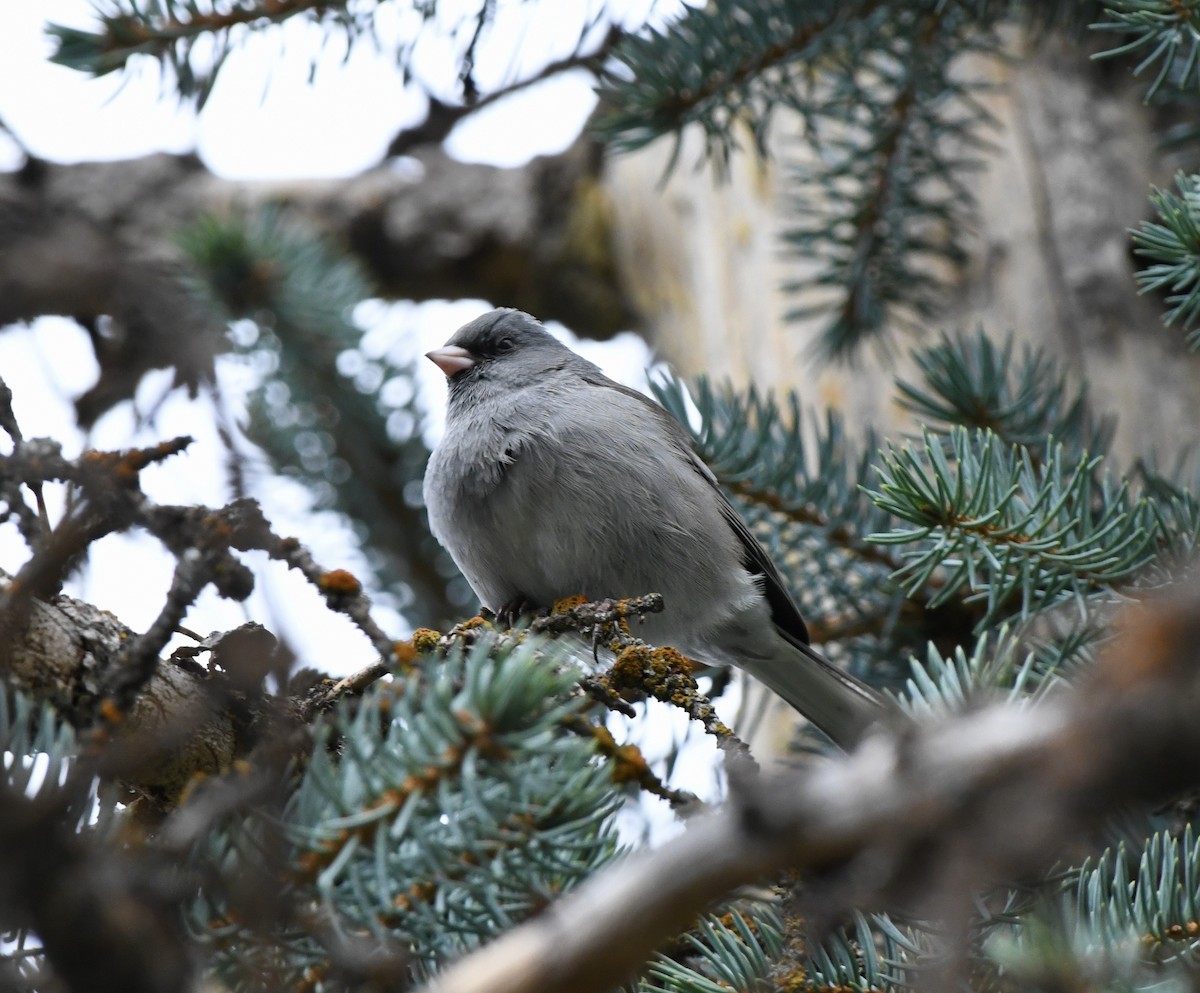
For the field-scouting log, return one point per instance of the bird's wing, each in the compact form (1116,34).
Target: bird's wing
(784,612)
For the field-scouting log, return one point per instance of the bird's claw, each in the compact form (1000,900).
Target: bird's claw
(513,610)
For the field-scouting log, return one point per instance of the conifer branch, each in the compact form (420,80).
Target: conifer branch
(932,800)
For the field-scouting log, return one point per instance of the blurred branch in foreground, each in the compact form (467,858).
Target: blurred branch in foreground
(926,820)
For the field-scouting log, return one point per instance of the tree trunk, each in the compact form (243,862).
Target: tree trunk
(1068,175)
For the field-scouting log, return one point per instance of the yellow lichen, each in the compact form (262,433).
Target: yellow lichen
(629,764)
(425,640)
(628,671)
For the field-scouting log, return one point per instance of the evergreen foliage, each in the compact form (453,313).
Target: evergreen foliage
(734,951)
(448,804)
(39,759)
(439,810)
(195,37)
(1174,245)
(881,199)
(798,480)
(327,410)
(970,381)
(1126,919)
(1000,528)
(880,204)
(37,746)
(1161,33)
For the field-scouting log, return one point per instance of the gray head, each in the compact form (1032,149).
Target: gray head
(504,348)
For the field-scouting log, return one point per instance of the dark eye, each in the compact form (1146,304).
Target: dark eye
(505,345)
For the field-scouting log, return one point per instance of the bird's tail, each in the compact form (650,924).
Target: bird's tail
(837,703)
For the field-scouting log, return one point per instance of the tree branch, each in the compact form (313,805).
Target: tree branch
(96,241)
(926,820)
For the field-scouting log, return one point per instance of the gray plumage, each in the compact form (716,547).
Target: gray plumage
(553,480)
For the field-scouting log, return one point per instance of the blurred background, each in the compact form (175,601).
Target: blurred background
(295,116)
(249,229)
(922,277)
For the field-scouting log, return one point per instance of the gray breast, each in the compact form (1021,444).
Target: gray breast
(597,503)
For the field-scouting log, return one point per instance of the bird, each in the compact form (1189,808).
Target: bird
(553,480)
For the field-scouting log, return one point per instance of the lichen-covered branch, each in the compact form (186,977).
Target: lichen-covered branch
(938,814)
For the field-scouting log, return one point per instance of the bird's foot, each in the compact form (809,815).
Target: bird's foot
(513,610)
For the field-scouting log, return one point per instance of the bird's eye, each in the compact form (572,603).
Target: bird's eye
(505,345)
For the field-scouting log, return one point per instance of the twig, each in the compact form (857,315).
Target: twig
(112,501)
(639,669)
(443,117)
(666,675)
(136,664)
(8,419)
(937,814)
(629,765)
(341,589)
(597,613)
(15,138)
(201,539)
(602,693)
(353,684)
(466,72)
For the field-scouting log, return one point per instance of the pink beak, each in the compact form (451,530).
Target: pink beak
(451,359)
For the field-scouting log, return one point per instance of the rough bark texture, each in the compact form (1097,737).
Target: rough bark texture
(176,730)
(74,237)
(95,241)
(1071,166)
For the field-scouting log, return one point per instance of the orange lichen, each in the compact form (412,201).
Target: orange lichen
(218,525)
(340,582)
(792,981)
(731,917)
(405,653)
(567,604)
(110,712)
(675,659)
(605,742)
(629,765)
(628,671)
(1182,932)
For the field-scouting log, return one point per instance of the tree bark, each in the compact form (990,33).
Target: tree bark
(95,241)
(177,729)
(1068,174)
(694,263)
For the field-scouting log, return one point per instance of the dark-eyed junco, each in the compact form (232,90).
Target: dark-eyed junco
(553,480)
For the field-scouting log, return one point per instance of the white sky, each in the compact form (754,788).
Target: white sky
(265,119)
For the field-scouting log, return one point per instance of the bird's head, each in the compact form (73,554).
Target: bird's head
(505,347)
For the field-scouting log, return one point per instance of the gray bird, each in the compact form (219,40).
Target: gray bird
(553,480)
